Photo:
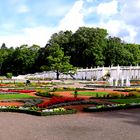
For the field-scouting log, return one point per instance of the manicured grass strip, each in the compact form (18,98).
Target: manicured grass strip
(126,101)
(95,94)
(15,96)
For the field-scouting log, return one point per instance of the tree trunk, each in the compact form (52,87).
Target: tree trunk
(57,75)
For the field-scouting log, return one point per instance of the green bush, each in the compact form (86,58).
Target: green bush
(44,94)
(9,75)
(93,94)
(63,89)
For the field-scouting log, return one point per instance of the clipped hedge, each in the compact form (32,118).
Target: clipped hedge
(63,89)
(83,102)
(32,112)
(101,108)
(68,111)
(36,112)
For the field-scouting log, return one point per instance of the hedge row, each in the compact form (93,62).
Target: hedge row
(37,113)
(110,108)
(74,103)
(68,111)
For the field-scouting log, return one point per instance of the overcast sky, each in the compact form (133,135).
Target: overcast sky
(34,21)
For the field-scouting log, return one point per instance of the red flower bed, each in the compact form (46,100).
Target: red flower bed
(13,90)
(57,100)
(23,91)
(3,85)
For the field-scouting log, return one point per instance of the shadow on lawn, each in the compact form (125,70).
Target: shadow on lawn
(131,116)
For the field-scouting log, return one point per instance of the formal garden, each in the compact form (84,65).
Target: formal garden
(56,98)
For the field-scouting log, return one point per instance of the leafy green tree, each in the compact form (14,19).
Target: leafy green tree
(21,60)
(87,47)
(63,38)
(134,50)
(4,54)
(116,53)
(58,62)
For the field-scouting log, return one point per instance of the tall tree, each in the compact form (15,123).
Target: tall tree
(21,60)
(116,53)
(134,50)
(88,46)
(57,61)
(63,38)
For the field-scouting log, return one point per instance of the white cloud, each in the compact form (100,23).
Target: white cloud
(119,17)
(119,27)
(37,35)
(74,18)
(89,10)
(113,26)
(23,9)
(108,8)
(7,26)
(129,13)
(41,34)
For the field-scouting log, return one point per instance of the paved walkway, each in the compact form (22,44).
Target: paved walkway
(114,125)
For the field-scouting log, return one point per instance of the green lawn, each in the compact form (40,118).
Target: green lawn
(137,100)
(15,96)
(95,94)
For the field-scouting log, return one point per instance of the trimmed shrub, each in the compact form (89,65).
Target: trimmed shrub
(114,95)
(9,75)
(45,93)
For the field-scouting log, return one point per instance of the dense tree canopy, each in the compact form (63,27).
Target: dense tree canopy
(87,47)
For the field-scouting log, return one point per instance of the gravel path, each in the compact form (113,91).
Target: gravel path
(115,125)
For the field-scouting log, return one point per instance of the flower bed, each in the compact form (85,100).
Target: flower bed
(57,111)
(58,100)
(37,111)
(81,102)
(19,91)
(100,108)
(3,85)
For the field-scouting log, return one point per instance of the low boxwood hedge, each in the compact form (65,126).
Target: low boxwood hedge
(68,111)
(74,103)
(37,112)
(111,107)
